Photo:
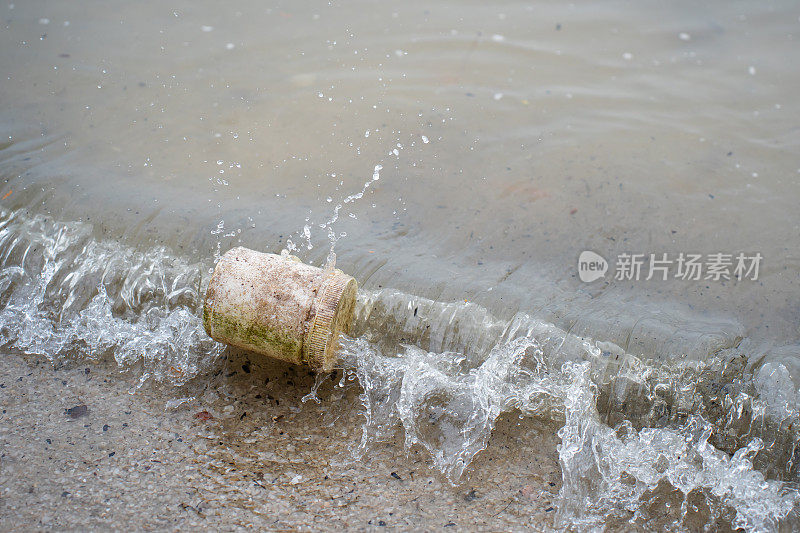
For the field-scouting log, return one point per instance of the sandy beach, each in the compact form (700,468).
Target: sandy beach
(265,460)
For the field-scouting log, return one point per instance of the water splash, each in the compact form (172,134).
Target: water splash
(675,445)
(328,225)
(66,295)
(442,403)
(620,474)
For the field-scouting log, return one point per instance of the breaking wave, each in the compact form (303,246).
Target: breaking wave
(651,439)
(683,443)
(67,295)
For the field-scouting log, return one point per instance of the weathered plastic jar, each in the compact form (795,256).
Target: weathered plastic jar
(279,307)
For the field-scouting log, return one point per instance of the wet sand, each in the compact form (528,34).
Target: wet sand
(265,459)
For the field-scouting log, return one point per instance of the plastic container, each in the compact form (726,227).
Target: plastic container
(279,307)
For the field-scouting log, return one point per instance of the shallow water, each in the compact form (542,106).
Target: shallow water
(460,157)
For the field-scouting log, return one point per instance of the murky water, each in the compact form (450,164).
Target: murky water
(461,156)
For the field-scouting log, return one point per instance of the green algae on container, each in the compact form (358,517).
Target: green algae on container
(279,307)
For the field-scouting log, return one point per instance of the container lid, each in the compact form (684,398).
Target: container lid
(333,314)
